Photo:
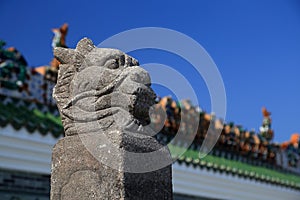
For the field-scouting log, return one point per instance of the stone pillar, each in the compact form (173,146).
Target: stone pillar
(108,151)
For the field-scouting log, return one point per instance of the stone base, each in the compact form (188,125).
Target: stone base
(78,175)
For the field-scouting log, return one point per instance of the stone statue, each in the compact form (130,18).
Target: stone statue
(104,99)
(104,85)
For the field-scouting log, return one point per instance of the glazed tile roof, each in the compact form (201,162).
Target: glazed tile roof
(30,115)
(236,168)
(45,119)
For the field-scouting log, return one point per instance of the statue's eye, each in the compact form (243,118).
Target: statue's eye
(111,64)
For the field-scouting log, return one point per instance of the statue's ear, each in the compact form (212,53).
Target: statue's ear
(68,56)
(84,46)
(64,55)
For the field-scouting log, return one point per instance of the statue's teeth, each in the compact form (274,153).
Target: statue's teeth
(129,126)
(140,129)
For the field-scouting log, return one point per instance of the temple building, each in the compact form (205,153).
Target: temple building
(242,165)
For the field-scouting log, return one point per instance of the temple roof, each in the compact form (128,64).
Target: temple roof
(45,119)
(31,115)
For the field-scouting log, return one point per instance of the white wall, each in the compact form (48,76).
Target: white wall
(22,151)
(207,183)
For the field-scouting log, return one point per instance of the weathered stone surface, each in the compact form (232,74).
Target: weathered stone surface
(108,152)
(77,174)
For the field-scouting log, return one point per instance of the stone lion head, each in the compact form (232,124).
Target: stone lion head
(103,85)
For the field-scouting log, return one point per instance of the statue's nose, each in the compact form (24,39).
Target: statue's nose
(140,75)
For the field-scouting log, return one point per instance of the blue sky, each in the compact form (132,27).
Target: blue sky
(254,43)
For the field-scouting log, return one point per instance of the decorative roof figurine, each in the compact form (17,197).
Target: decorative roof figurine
(13,72)
(59,40)
(265,130)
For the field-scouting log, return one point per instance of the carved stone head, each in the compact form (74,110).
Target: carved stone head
(103,85)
